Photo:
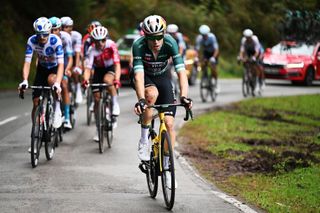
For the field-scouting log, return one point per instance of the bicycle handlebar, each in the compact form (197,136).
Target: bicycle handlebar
(23,88)
(100,85)
(161,107)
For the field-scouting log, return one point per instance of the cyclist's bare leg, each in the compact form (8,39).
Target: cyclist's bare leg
(35,104)
(151,94)
(108,79)
(169,121)
(51,80)
(65,91)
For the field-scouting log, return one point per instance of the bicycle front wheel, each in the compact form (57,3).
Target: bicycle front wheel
(152,174)
(109,122)
(245,85)
(36,137)
(168,173)
(204,88)
(100,125)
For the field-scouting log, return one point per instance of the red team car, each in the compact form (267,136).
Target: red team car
(298,62)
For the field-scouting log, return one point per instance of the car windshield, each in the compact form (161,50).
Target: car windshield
(297,49)
(125,44)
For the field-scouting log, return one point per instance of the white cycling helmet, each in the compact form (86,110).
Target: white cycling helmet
(154,24)
(56,22)
(99,33)
(42,26)
(172,28)
(247,33)
(204,29)
(66,21)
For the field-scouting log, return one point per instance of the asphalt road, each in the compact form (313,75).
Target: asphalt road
(79,179)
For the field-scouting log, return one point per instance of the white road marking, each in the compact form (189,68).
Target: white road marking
(8,120)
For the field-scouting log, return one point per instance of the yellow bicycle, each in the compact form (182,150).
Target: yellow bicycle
(161,149)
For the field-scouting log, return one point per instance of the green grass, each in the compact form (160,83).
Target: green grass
(296,191)
(285,129)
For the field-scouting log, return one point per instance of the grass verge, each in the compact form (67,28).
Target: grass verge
(265,151)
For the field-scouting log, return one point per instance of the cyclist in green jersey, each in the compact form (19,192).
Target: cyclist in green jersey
(152,78)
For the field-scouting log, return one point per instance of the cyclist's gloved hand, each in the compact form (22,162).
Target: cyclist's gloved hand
(253,58)
(78,70)
(56,87)
(140,106)
(23,85)
(213,60)
(117,83)
(84,84)
(187,102)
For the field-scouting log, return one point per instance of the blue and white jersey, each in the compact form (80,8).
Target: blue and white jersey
(76,41)
(67,46)
(209,45)
(49,54)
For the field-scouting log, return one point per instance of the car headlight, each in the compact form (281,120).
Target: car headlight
(295,65)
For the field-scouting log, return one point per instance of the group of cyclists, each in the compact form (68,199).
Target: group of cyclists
(62,54)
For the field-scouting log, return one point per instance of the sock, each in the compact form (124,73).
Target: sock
(114,99)
(144,134)
(67,111)
(57,109)
(78,87)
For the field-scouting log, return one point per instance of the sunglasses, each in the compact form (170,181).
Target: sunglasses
(100,41)
(153,38)
(42,35)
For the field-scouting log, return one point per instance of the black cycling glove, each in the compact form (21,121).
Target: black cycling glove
(187,102)
(141,105)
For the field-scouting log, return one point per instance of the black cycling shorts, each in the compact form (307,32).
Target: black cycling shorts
(207,55)
(41,78)
(166,94)
(98,76)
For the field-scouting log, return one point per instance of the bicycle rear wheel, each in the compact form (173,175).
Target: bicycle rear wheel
(152,175)
(36,137)
(109,122)
(100,125)
(168,173)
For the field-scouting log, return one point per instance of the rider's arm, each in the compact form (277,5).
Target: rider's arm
(256,46)
(69,52)
(215,46)
(116,61)
(28,57)
(198,43)
(26,70)
(59,55)
(241,53)
(88,66)
(138,70)
(77,50)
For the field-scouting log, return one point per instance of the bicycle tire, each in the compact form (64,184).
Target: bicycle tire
(245,85)
(213,92)
(51,133)
(100,125)
(204,91)
(168,193)
(152,174)
(89,101)
(36,137)
(109,121)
